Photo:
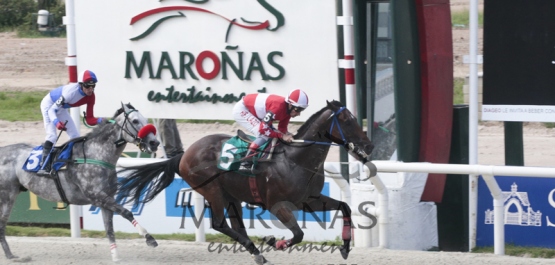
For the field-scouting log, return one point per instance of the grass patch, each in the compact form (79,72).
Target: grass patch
(21,106)
(32,231)
(460,19)
(517,251)
(458,94)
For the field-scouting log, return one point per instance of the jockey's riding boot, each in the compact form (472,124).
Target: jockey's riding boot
(46,147)
(248,165)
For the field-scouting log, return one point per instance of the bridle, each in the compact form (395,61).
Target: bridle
(136,139)
(349,146)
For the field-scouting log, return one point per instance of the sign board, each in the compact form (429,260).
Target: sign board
(173,211)
(195,59)
(529,212)
(29,208)
(519,59)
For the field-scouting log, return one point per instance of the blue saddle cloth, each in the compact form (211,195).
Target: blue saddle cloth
(32,164)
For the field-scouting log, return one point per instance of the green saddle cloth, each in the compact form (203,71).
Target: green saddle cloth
(233,150)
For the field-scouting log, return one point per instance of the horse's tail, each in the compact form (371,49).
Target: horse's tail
(145,181)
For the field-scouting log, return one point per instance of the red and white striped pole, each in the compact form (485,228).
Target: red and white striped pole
(75,214)
(71,59)
(348,61)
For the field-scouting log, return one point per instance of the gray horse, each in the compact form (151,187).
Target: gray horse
(90,177)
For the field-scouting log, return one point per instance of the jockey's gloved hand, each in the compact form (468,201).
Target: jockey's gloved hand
(287,137)
(60,125)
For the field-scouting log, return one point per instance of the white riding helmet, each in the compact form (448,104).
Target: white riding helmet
(297,98)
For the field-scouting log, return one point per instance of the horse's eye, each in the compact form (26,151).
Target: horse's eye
(135,121)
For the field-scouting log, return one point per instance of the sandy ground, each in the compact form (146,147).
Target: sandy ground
(88,251)
(38,64)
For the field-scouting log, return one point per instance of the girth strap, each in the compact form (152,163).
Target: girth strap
(254,190)
(94,162)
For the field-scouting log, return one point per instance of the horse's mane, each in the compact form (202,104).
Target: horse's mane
(315,116)
(98,129)
(120,110)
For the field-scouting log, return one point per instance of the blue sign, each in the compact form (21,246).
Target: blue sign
(179,196)
(136,208)
(529,212)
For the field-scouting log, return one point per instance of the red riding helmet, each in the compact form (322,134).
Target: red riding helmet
(87,77)
(297,98)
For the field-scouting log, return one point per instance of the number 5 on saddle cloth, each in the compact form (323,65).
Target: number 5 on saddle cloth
(234,150)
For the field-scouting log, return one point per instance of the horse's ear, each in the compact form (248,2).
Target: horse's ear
(124,108)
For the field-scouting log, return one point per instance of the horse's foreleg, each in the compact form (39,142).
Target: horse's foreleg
(219,224)
(107,217)
(284,212)
(235,216)
(110,204)
(150,241)
(324,203)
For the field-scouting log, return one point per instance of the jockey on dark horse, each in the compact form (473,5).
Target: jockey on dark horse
(256,112)
(55,115)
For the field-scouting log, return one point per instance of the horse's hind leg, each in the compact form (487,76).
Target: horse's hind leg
(7,199)
(107,217)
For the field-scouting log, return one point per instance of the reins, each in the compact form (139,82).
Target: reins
(347,145)
(334,123)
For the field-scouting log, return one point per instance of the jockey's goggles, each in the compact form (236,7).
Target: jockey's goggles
(89,85)
(298,109)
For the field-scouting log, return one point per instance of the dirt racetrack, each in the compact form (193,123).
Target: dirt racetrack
(87,251)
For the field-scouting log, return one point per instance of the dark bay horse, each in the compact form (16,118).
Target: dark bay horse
(292,179)
(90,177)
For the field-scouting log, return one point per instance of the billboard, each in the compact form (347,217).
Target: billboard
(519,58)
(195,59)
(529,212)
(29,208)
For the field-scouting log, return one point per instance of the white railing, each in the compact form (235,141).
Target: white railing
(487,172)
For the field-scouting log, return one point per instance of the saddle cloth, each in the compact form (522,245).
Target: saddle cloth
(234,150)
(61,155)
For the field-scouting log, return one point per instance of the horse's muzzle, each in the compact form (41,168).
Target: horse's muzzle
(148,146)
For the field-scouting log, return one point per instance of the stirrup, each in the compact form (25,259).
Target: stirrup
(246,166)
(43,172)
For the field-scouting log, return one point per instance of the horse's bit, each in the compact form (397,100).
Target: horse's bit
(136,140)
(336,141)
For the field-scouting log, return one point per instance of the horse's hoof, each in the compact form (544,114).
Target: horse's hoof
(21,260)
(150,241)
(269,240)
(260,260)
(344,251)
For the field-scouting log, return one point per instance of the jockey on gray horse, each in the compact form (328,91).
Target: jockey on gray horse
(54,108)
